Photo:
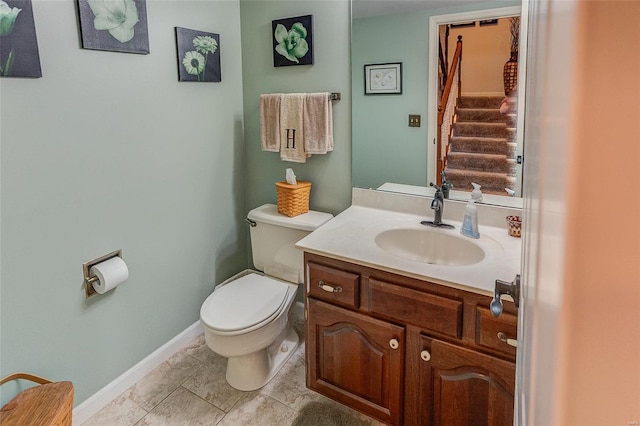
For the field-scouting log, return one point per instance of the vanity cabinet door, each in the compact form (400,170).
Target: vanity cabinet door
(458,386)
(355,360)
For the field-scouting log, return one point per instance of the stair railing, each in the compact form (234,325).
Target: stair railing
(447,109)
(443,58)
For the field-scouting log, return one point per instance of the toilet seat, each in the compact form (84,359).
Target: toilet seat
(245,304)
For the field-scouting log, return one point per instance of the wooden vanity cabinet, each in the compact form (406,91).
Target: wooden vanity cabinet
(452,385)
(407,351)
(357,362)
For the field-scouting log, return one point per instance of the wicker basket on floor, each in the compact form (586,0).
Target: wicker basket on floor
(51,403)
(293,199)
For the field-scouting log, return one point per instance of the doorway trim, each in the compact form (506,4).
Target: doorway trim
(432,106)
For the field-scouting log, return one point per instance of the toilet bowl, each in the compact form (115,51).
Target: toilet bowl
(246,318)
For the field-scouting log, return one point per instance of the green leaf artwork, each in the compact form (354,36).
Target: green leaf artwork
(8,16)
(291,44)
(292,40)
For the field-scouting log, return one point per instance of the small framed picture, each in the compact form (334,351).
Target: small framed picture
(18,43)
(117,26)
(464,24)
(486,22)
(292,41)
(383,79)
(198,55)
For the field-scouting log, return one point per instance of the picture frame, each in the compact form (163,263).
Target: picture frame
(292,41)
(129,36)
(198,56)
(19,55)
(485,22)
(383,79)
(464,24)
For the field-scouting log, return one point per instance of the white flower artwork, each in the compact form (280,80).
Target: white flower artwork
(115,25)
(198,55)
(19,55)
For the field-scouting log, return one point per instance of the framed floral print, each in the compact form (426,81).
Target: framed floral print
(18,44)
(292,41)
(198,56)
(114,25)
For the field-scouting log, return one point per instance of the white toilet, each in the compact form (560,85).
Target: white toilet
(246,318)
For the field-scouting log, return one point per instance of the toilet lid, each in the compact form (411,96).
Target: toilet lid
(243,303)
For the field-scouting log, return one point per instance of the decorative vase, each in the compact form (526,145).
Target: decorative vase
(510,74)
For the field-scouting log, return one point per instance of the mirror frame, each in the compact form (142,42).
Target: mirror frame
(434,21)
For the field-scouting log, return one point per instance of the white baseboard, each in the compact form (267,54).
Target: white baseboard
(98,400)
(111,391)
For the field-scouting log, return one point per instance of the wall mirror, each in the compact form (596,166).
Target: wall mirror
(388,154)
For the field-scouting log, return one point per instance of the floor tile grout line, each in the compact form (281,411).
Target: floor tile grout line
(208,402)
(179,385)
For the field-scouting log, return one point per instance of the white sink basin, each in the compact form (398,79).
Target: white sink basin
(429,246)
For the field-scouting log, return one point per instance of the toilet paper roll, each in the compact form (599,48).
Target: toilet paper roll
(111,273)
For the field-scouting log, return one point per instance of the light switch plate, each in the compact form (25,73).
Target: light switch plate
(414,120)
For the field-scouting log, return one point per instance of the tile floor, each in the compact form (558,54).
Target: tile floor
(190,389)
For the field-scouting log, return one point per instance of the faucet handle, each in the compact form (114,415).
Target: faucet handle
(435,186)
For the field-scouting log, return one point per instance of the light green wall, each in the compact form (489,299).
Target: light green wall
(384,148)
(106,151)
(330,174)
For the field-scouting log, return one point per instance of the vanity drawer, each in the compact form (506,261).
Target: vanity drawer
(496,333)
(428,311)
(333,285)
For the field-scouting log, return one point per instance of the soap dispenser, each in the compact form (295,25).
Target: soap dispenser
(470,222)
(476,194)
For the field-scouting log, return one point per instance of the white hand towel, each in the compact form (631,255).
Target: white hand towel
(292,128)
(318,123)
(270,122)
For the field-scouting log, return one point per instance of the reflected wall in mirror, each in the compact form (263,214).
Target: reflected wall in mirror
(385,148)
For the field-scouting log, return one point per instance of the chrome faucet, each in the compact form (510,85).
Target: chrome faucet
(437,205)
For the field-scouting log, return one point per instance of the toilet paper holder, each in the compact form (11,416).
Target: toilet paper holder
(86,267)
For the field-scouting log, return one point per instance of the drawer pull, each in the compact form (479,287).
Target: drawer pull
(329,288)
(503,338)
(425,355)
(393,343)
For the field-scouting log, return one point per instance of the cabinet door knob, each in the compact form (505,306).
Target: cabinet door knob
(511,342)
(329,288)
(393,343)
(425,355)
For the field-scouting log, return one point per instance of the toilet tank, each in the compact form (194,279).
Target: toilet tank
(273,241)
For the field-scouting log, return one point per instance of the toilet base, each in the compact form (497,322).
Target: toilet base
(253,371)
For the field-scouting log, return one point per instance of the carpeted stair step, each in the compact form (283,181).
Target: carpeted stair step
(490,182)
(480,102)
(495,130)
(484,115)
(482,145)
(481,162)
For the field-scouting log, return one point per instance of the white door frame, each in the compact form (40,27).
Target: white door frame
(549,105)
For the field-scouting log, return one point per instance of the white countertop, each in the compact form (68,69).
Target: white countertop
(350,236)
